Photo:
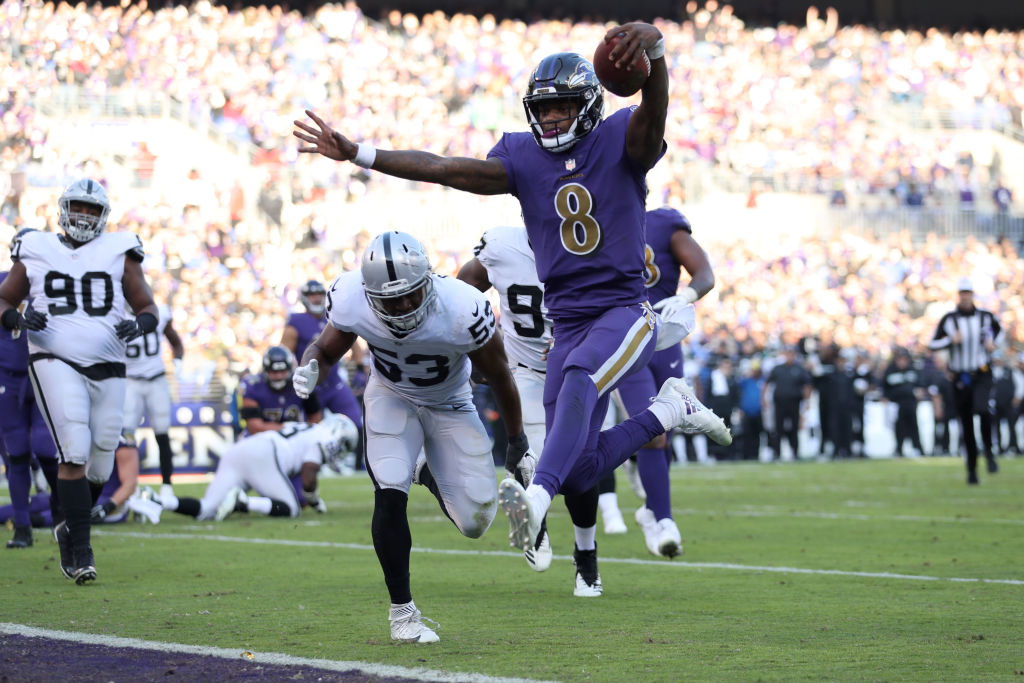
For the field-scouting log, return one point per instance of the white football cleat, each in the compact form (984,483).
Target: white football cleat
(227,506)
(148,509)
(588,579)
(614,524)
(539,556)
(670,542)
(690,415)
(166,491)
(407,625)
(524,520)
(645,519)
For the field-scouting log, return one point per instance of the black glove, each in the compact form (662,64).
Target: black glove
(133,328)
(519,459)
(32,320)
(128,330)
(100,512)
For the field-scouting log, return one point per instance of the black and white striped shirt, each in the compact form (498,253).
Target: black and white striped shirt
(976,327)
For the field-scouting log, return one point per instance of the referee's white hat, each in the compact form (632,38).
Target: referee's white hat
(964,284)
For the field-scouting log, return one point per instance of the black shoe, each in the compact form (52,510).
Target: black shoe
(85,566)
(972,477)
(588,580)
(992,465)
(22,537)
(67,558)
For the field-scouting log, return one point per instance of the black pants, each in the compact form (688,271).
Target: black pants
(752,430)
(787,425)
(971,392)
(941,436)
(906,427)
(1008,414)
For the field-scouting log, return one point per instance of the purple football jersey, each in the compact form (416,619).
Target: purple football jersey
(309,328)
(13,346)
(662,269)
(584,214)
(275,406)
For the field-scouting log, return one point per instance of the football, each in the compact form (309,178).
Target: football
(622,82)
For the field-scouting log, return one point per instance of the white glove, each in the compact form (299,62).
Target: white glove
(672,330)
(305,377)
(673,305)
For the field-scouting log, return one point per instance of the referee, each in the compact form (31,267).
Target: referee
(971,335)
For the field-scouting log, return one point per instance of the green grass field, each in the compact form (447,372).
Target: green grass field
(877,570)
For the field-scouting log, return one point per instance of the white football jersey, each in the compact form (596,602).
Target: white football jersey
(144,355)
(428,366)
(298,443)
(80,292)
(506,254)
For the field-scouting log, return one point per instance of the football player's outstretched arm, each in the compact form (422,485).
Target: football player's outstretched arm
(491,362)
(474,273)
(645,135)
(462,173)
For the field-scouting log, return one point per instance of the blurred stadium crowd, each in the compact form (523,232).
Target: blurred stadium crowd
(817,109)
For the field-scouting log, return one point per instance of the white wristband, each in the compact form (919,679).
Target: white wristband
(656,51)
(689,294)
(365,156)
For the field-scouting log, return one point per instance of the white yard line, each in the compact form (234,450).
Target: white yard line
(217,538)
(368,668)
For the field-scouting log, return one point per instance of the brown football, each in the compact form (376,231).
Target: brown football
(625,81)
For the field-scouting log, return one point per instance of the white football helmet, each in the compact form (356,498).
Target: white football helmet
(342,438)
(395,265)
(82,227)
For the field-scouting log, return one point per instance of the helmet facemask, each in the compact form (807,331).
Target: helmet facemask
(310,289)
(404,323)
(559,78)
(278,359)
(395,267)
(80,226)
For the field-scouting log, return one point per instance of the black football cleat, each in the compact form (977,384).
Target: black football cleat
(22,537)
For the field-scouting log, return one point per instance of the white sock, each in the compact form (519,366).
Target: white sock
(259,505)
(586,539)
(664,413)
(609,504)
(539,497)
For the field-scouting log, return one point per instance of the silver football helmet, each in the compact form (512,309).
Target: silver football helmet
(395,265)
(79,226)
(343,436)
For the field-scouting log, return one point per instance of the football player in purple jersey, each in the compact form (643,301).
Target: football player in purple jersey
(23,432)
(267,400)
(670,246)
(581,183)
(302,327)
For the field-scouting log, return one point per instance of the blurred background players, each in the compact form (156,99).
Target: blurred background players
(302,327)
(80,281)
(23,433)
(267,400)
(267,462)
(903,386)
(147,392)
